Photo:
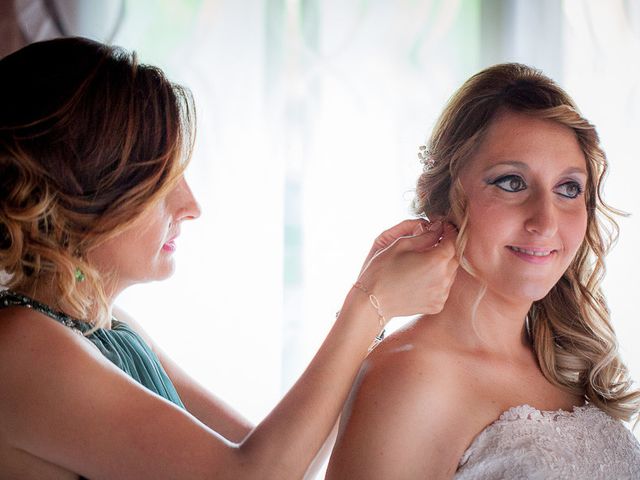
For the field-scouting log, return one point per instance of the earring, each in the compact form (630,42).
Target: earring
(79,274)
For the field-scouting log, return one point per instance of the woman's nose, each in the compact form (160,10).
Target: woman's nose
(542,216)
(187,205)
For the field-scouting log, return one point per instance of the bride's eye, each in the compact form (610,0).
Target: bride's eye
(510,183)
(570,189)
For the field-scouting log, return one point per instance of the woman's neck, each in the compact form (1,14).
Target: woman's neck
(44,292)
(481,319)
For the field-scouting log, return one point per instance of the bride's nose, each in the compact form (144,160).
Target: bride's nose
(541,216)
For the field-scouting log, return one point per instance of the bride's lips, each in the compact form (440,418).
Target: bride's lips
(536,255)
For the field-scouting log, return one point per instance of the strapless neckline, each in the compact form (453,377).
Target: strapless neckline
(526,411)
(526,442)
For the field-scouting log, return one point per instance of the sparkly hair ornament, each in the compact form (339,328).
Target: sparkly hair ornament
(425,157)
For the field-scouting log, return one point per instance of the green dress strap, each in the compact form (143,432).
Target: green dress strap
(121,345)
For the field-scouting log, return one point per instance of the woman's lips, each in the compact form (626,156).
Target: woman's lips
(170,246)
(538,256)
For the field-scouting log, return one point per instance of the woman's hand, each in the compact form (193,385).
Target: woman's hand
(411,267)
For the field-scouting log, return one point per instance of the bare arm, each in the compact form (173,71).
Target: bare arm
(63,402)
(323,454)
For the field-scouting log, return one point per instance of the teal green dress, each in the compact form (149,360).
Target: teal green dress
(120,344)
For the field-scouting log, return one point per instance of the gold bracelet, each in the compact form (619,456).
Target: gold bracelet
(376,304)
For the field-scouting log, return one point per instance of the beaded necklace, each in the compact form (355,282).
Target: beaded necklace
(11,299)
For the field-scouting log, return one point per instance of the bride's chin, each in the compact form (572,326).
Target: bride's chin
(526,292)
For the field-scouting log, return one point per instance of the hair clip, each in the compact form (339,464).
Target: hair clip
(425,157)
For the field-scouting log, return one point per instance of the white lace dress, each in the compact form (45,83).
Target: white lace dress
(526,443)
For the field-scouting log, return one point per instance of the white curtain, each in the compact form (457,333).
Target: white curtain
(310,118)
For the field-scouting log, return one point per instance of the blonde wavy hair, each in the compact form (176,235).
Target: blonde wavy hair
(89,140)
(570,328)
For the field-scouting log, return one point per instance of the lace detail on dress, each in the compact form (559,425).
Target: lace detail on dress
(527,443)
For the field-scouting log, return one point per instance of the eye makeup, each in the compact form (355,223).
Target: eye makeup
(575,189)
(509,183)
(514,183)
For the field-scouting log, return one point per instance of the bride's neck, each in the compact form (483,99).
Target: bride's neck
(481,318)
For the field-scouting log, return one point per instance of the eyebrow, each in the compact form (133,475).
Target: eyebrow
(525,166)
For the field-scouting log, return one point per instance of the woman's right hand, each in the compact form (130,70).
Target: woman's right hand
(411,267)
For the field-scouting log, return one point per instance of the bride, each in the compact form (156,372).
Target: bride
(518,376)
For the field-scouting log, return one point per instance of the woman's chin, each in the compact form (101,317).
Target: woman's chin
(527,292)
(160,273)
(166,272)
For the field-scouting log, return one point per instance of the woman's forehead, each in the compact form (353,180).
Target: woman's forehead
(525,141)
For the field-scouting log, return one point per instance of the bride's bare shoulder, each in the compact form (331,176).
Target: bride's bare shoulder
(418,376)
(417,348)
(406,393)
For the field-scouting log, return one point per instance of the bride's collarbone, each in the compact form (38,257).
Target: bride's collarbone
(497,386)
(503,393)
(491,383)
